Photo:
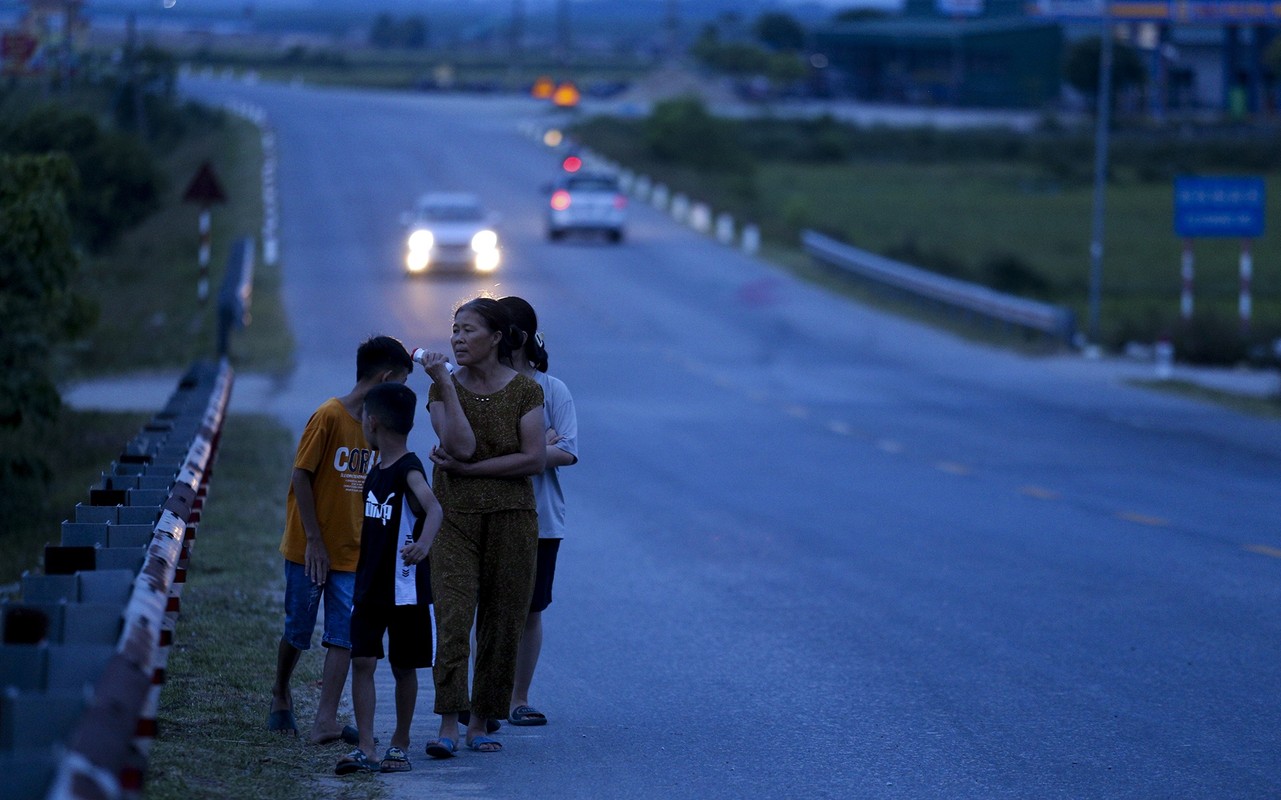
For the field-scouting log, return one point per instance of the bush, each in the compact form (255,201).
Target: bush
(38,266)
(682,132)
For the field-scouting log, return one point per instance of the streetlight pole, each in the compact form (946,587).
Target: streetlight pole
(1103,123)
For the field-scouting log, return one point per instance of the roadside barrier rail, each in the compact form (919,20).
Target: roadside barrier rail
(1056,323)
(85,646)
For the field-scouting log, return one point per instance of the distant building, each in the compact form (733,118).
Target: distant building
(949,52)
(1199,54)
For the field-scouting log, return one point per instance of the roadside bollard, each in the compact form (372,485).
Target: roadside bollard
(700,217)
(680,207)
(1164,351)
(724,228)
(751,239)
(658,198)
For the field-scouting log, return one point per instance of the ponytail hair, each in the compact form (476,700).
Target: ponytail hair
(526,321)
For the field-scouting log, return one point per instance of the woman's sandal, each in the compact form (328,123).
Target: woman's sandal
(443,747)
(484,744)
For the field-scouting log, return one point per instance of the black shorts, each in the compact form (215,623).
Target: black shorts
(408,630)
(547,549)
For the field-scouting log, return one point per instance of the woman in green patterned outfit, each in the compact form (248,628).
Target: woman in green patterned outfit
(489,419)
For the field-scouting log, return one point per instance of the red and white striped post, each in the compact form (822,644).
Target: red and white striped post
(1244,303)
(204,190)
(1185,300)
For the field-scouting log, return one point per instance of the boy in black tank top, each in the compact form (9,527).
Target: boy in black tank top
(393,583)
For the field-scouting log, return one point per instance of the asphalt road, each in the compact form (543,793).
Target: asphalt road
(814,550)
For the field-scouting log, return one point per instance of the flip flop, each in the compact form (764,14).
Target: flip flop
(282,721)
(491,725)
(395,760)
(526,715)
(479,745)
(355,761)
(443,747)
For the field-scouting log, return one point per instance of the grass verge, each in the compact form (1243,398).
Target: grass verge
(212,739)
(1269,407)
(146,286)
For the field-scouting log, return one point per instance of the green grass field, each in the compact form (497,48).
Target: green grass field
(973,218)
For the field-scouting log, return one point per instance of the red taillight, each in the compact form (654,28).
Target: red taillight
(572,164)
(560,200)
(620,202)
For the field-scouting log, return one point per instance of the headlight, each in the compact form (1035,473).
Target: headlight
(421,240)
(483,241)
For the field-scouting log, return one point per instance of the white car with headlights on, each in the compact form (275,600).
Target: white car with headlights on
(450,231)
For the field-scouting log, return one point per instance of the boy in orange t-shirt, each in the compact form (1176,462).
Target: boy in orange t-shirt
(321,544)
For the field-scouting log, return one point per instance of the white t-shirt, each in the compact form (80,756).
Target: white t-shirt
(558,413)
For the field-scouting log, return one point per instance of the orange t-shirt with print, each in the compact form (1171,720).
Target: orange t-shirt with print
(333,449)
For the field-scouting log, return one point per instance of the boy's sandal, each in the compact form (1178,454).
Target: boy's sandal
(395,760)
(355,761)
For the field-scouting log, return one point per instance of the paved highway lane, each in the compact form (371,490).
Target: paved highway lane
(814,550)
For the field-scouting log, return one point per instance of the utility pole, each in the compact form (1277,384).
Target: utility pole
(518,35)
(671,27)
(1101,131)
(562,30)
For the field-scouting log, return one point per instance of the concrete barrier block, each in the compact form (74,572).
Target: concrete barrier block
(119,482)
(66,560)
(39,719)
(129,535)
(106,586)
(32,623)
(92,623)
(89,513)
(130,558)
(138,515)
(49,588)
(28,771)
(74,666)
(83,534)
(24,667)
(145,497)
(155,481)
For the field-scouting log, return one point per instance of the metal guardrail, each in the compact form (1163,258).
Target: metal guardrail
(236,293)
(1054,322)
(84,649)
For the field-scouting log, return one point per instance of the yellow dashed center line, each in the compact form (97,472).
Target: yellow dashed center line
(839,428)
(1263,549)
(1040,492)
(1143,519)
(800,412)
(952,468)
(890,446)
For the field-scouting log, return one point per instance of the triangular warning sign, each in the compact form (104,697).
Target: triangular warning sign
(205,189)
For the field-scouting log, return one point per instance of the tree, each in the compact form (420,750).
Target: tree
(38,267)
(1081,69)
(779,31)
(117,185)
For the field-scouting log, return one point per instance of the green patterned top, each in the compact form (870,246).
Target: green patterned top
(495,420)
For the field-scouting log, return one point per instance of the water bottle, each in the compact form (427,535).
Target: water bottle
(420,354)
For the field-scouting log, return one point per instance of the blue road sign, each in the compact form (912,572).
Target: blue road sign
(1222,207)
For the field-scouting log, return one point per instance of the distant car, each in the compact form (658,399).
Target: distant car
(584,202)
(450,231)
